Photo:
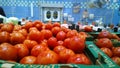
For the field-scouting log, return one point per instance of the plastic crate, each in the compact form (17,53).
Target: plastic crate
(6,64)
(89,37)
(95,34)
(99,57)
(96,56)
(115,42)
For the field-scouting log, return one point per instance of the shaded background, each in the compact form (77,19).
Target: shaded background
(21,9)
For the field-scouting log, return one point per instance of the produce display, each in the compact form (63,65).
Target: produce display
(104,42)
(40,43)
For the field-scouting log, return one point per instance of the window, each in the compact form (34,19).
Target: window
(48,14)
(55,15)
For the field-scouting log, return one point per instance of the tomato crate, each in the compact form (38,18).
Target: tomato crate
(89,37)
(115,42)
(95,58)
(95,34)
(6,64)
(99,57)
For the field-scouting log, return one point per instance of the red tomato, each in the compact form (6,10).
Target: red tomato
(83,33)
(116,60)
(104,42)
(104,34)
(71,33)
(28,60)
(47,57)
(8,52)
(65,29)
(43,26)
(47,33)
(4,36)
(88,28)
(75,31)
(114,36)
(82,36)
(65,54)
(7,27)
(23,32)
(59,48)
(56,24)
(44,43)
(16,38)
(23,27)
(52,42)
(77,44)
(32,28)
(66,42)
(1,24)
(107,51)
(37,24)
(60,42)
(36,50)
(28,25)
(30,43)
(79,59)
(55,30)
(116,51)
(17,27)
(61,35)
(22,51)
(48,26)
(36,35)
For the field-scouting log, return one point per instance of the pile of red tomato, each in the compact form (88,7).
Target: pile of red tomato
(105,44)
(40,43)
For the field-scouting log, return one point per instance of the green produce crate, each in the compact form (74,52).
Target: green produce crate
(115,42)
(95,34)
(89,38)
(99,57)
(6,64)
(99,32)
